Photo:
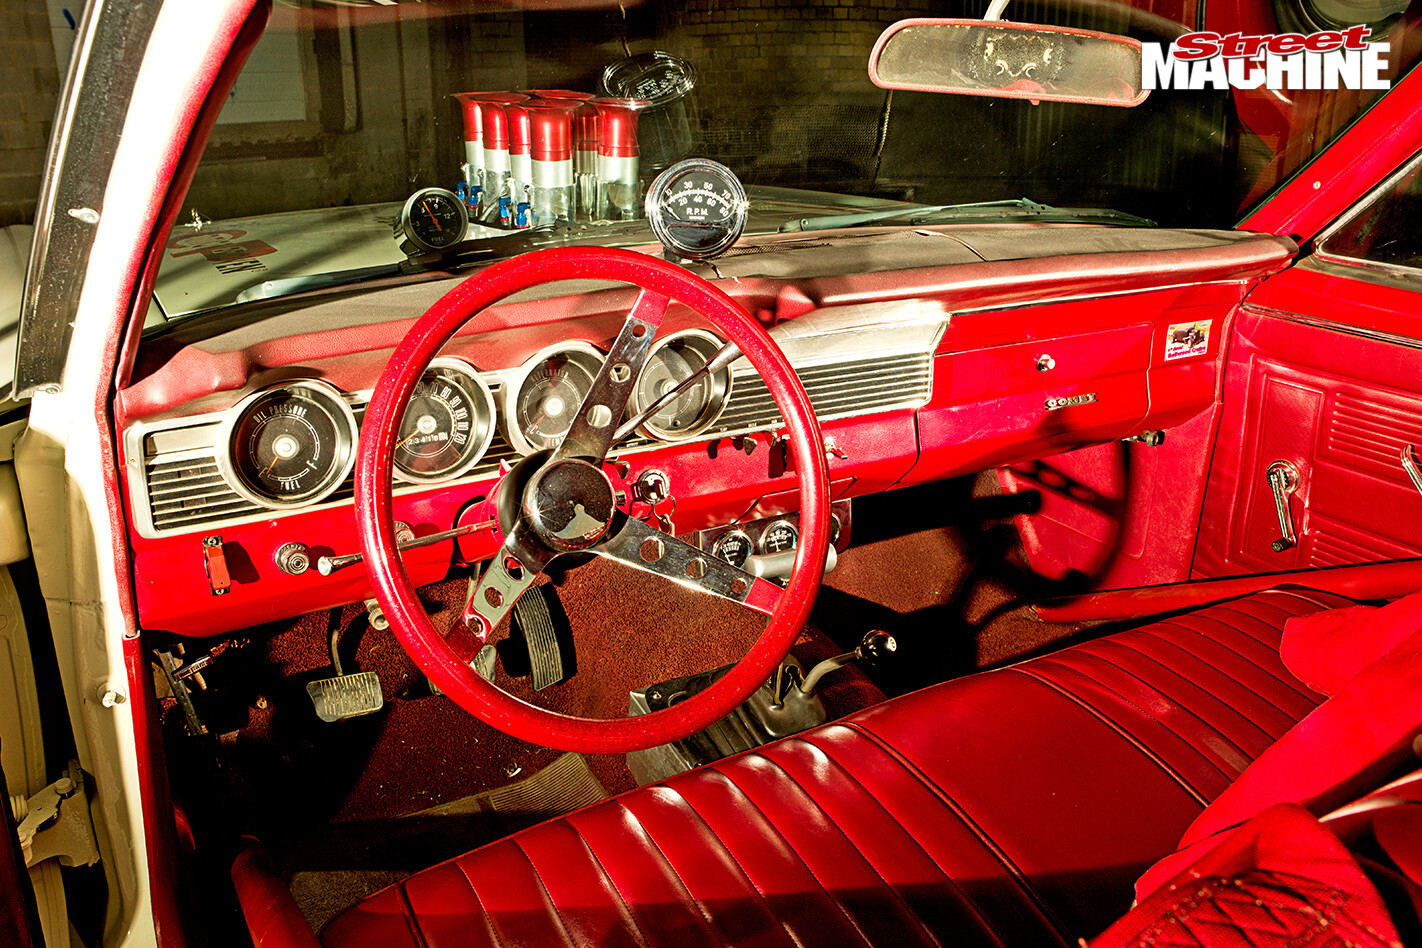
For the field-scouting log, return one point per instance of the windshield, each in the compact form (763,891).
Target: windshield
(344,111)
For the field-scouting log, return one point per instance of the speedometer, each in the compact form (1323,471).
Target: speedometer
(288,445)
(697,208)
(447,426)
(550,389)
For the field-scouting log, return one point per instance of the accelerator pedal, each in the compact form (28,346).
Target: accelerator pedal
(540,642)
(344,696)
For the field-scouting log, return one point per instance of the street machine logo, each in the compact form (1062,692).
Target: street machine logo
(1331,59)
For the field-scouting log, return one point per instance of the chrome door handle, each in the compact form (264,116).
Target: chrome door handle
(1409,464)
(1283,481)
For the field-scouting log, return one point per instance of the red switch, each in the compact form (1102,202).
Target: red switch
(215,561)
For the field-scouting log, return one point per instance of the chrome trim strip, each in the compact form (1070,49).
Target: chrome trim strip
(1376,335)
(1409,464)
(1410,274)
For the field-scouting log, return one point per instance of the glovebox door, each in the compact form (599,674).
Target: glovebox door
(1323,403)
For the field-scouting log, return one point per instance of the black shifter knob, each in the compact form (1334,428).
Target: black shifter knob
(875,647)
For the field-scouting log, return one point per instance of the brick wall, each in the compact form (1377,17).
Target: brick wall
(811,56)
(400,130)
(29,85)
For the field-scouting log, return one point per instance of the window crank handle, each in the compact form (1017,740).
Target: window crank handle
(1283,481)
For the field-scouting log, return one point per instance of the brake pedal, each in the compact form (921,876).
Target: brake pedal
(540,642)
(344,696)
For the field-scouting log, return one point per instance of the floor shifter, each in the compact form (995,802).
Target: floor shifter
(787,704)
(872,649)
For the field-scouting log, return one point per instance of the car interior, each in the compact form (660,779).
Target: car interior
(952,605)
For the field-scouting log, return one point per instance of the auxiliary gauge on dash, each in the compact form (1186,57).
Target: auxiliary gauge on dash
(697,209)
(433,219)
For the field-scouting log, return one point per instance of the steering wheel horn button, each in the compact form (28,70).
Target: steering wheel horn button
(569,504)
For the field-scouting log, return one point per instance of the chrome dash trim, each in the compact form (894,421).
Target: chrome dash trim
(1330,325)
(853,360)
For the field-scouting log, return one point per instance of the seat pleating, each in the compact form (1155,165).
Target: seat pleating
(1012,807)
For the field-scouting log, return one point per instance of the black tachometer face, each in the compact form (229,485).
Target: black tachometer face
(290,445)
(549,397)
(447,425)
(697,208)
(433,219)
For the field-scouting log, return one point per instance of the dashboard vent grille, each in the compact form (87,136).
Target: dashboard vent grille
(838,390)
(191,493)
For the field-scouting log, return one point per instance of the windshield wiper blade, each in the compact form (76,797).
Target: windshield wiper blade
(1038,212)
(831,221)
(986,210)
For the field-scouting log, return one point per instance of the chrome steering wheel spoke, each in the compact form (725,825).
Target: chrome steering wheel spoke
(513,569)
(591,434)
(641,546)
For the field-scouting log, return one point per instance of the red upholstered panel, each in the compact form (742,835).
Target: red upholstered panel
(1015,807)
(1279,880)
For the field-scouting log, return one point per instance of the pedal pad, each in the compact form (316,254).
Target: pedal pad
(540,642)
(346,696)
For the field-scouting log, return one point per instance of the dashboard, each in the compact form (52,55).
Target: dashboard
(925,353)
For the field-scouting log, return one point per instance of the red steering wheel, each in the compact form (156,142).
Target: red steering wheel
(568,505)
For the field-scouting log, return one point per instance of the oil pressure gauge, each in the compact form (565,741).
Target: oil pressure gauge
(697,209)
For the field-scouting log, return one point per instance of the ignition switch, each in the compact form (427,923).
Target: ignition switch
(652,487)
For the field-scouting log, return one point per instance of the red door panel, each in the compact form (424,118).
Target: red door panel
(1326,382)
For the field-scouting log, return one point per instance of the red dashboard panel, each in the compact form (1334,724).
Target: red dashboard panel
(989,403)
(1092,371)
(1124,514)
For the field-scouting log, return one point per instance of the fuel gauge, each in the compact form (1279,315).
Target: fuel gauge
(432,219)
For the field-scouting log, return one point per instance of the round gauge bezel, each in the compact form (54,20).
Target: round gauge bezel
(662,186)
(708,344)
(343,420)
(487,438)
(750,546)
(405,224)
(513,431)
(771,528)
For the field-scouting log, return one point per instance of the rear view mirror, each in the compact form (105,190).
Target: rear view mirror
(1014,60)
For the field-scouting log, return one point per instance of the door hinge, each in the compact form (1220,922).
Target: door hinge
(55,823)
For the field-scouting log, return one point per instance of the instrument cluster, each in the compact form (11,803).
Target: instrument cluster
(293,444)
